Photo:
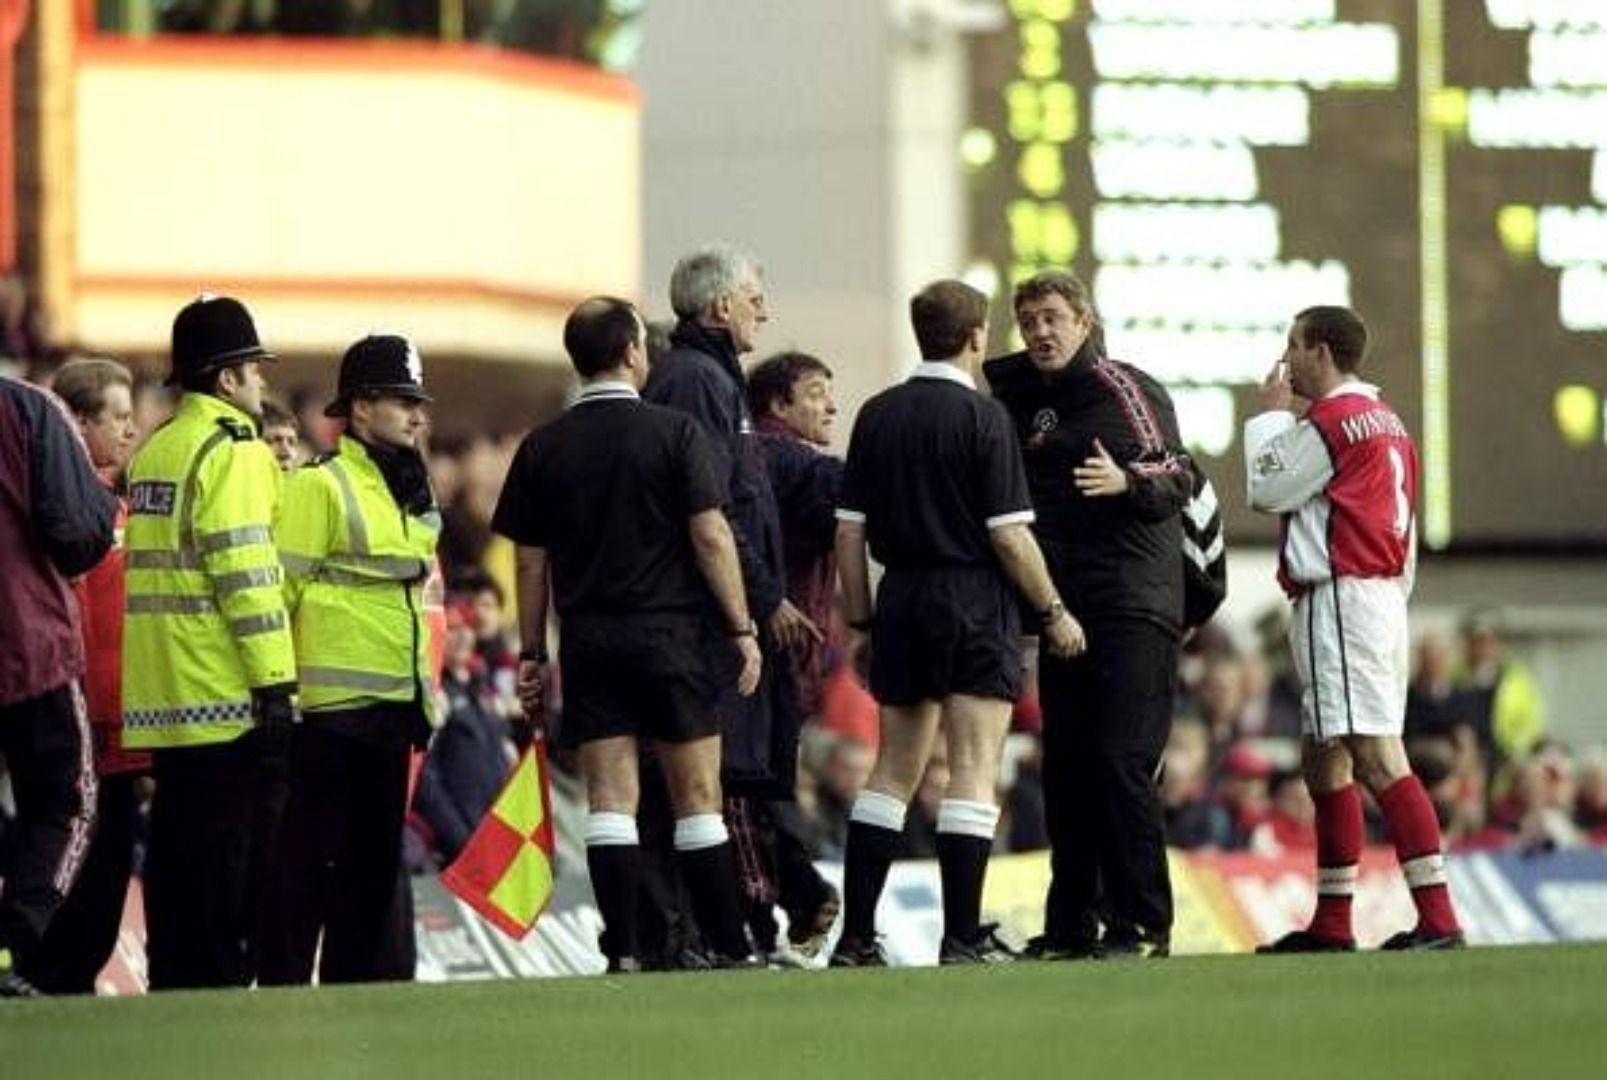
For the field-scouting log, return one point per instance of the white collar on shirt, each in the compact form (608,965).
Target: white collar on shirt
(942,369)
(607,390)
(1354,386)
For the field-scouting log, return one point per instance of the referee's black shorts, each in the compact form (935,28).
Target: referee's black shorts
(942,631)
(641,675)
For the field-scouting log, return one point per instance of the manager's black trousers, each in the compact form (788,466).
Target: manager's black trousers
(1106,716)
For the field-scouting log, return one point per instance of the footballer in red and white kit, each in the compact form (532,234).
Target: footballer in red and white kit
(1343,478)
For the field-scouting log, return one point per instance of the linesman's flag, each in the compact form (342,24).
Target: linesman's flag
(505,870)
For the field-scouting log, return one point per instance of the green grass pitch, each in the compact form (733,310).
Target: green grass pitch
(1511,1013)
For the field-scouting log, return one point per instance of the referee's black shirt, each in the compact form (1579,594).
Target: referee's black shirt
(607,489)
(932,466)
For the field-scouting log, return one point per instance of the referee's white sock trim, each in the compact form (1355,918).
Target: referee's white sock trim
(699,831)
(879,809)
(965,818)
(606,828)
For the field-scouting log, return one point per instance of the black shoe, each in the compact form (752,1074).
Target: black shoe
(1045,948)
(855,954)
(808,933)
(13,985)
(1304,941)
(987,948)
(748,962)
(1417,940)
(1139,946)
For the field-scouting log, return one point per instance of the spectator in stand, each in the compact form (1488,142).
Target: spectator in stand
(1343,477)
(282,432)
(493,644)
(1501,698)
(843,767)
(1537,801)
(1243,791)
(1590,806)
(472,750)
(1221,699)
(84,931)
(1283,685)
(56,521)
(1290,826)
(1194,819)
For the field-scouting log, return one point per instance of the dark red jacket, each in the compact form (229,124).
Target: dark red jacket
(100,605)
(55,522)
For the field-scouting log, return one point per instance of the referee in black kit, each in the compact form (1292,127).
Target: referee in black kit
(934,483)
(619,504)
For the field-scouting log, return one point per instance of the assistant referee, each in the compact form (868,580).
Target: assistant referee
(935,486)
(619,504)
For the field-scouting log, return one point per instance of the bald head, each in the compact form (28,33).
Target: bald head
(599,333)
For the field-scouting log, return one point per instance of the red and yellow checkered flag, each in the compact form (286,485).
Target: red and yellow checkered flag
(505,871)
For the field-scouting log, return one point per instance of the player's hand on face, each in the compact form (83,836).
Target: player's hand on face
(1064,636)
(1276,393)
(1099,475)
(791,628)
(752,663)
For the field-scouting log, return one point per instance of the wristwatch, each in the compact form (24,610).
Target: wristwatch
(750,630)
(1049,614)
(533,656)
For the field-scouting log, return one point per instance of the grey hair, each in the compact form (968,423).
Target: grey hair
(703,276)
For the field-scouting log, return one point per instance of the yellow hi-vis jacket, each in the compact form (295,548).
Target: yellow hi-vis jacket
(355,571)
(204,619)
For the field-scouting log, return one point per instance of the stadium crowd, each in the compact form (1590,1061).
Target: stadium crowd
(1231,780)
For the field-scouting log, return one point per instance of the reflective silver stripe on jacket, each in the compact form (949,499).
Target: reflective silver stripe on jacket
(256,577)
(249,625)
(358,569)
(148,604)
(161,559)
(223,539)
(357,528)
(354,679)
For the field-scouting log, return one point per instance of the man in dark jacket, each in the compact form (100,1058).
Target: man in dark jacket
(718,297)
(1108,478)
(793,411)
(56,521)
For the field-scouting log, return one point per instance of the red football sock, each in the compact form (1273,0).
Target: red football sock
(1339,841)
(1409,813)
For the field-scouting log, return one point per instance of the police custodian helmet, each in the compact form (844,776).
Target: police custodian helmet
(213,332)
(380,365)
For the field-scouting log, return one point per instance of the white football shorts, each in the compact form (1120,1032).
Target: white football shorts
(1352,654)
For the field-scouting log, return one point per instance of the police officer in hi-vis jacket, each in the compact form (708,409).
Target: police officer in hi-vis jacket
(209,675)
(357,533)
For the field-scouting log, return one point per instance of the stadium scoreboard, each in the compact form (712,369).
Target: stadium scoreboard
(1210,167)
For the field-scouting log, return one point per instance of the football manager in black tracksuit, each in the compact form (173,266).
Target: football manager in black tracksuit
(1108,480)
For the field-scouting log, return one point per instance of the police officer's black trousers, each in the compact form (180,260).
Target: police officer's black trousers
(45,743)
(335,867)
(1106,718)
(84,931)
(213,820)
